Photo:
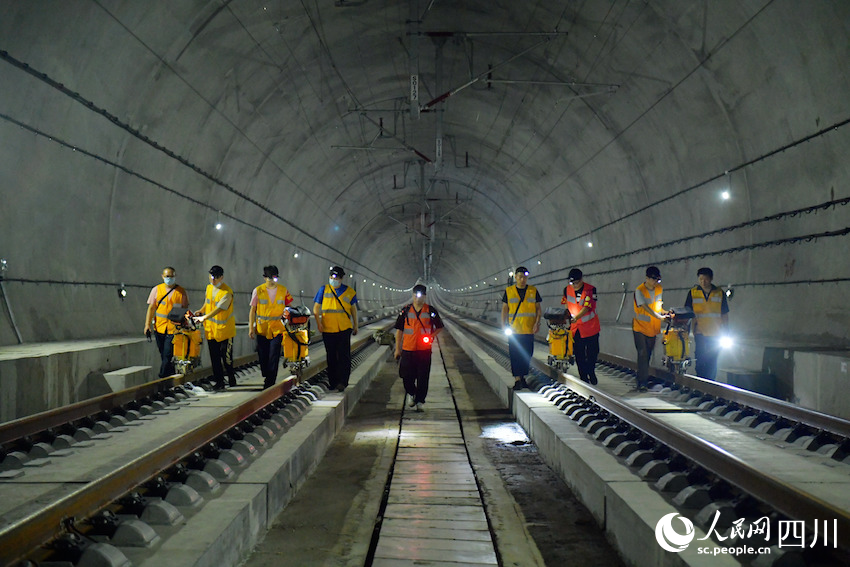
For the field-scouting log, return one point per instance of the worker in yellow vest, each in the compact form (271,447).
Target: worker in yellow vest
(219,326)
(646,325)
(416,327)
(268,302)
(521,314)
(711,320)
(162,299)
(335,309)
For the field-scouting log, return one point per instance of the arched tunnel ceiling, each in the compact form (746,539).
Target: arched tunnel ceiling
(559,123)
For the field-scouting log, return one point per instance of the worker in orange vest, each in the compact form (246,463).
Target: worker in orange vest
(646,325)
(580,299)
(416,327)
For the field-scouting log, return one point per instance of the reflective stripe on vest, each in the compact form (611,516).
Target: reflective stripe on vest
(588,325)
(523,322)
(413,330)
(223,325)
(708,312)
(269,312)
(643,322)
(161,324)
(334,317)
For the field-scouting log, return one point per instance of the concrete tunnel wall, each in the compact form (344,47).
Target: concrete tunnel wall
(225,107)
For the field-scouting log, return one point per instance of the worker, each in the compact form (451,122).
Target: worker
(646,324)
(335,309)
(417,326)
(268,302)
(711,321)
(521,314)
(219,327)
(162,299)
(580,299)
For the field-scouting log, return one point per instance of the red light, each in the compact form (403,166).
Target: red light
(426,339)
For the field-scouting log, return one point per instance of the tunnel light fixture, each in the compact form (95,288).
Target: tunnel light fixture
(539,263)
(590,244)
(122,292)
(725,195)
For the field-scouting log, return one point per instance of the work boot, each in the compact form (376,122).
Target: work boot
(419,406)
(411,401)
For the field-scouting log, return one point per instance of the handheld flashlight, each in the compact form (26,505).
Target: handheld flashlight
(508,331)
(726,341)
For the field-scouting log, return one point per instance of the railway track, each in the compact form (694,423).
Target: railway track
(670,437)
(149,472)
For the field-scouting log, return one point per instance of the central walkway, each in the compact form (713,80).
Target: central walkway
(434,510)
(402,488)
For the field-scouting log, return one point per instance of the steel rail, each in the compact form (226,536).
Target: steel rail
(785,498)
(781,408)
(36,423)
(22,538)
(19,539)
(753,400)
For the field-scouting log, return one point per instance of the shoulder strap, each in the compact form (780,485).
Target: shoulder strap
(417,315)
(518,304)
(341,304)
(166,295)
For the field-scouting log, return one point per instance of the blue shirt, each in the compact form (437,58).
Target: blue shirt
(320,295)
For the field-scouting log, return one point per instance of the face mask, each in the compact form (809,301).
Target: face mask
(217,285)
(334,282)
(169,281)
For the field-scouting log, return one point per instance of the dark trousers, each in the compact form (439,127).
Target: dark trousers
(520,349)
(644,346)
(414,367)
(338,352)
(706,350)
(586,350)
(165,344)
(268,352)
(221,357)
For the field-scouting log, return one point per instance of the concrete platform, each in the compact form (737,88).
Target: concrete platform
(230,520)
(36,377)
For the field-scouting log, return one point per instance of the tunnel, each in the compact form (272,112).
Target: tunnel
(434,142)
